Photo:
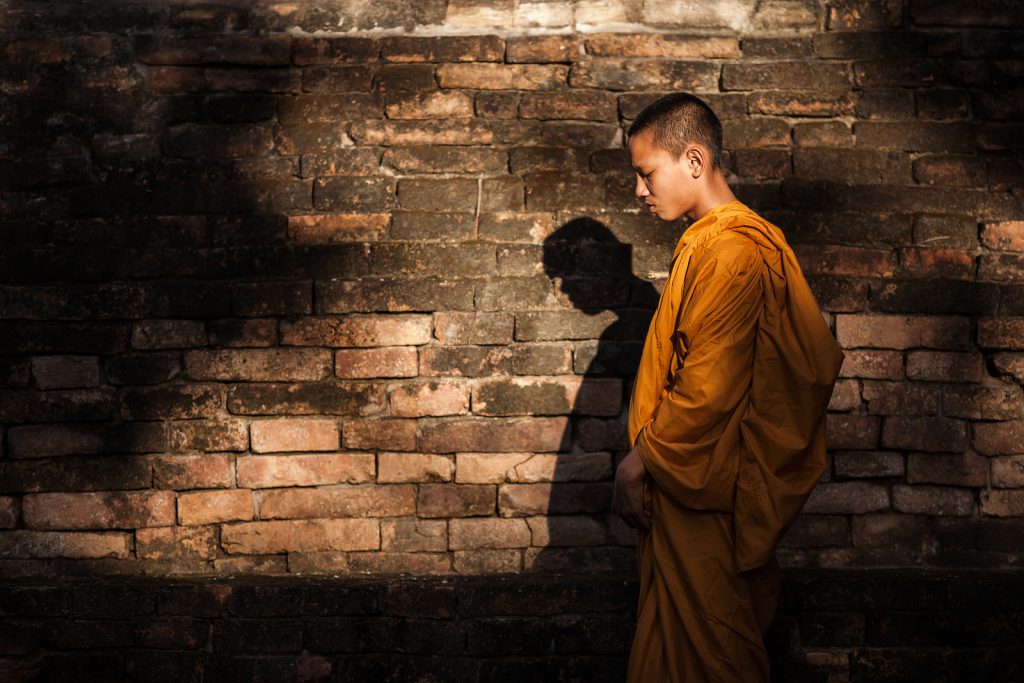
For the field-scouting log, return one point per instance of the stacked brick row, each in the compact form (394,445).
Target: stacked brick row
(282,302)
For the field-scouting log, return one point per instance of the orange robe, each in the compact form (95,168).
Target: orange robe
(728,411)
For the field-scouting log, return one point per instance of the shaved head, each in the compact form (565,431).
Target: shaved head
(680,119)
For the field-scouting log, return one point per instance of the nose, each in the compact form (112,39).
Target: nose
(641,187)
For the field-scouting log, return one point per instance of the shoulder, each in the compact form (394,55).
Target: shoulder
(729,253)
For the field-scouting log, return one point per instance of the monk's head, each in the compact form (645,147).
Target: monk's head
(675,147)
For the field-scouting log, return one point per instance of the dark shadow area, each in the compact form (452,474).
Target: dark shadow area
(593,271)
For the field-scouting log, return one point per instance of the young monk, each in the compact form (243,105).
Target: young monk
(727,415)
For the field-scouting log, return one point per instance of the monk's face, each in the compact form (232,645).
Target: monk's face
(668,185)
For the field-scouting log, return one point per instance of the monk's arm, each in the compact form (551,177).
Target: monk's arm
(717,328)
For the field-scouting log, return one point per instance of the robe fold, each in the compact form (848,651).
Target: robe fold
(728,413)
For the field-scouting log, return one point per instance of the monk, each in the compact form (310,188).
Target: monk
(727,414)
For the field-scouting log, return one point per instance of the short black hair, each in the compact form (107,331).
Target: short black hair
(679,119)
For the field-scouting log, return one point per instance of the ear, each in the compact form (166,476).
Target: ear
(696,160)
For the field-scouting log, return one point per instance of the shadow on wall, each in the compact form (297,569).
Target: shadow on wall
(593,270)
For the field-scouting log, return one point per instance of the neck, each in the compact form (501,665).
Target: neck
(716,193)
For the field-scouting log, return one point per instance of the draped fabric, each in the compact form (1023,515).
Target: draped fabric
(728,414)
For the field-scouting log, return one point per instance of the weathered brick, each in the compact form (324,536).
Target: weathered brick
(300,535)
(455,500)
(542,396)
(486,48)
(393,295)
(559,498)
(961,469)
(469,533)
(799,75)
(431,159)
(174,401)
(1003,235)
(333,50)
(852,431)
(933,500)
(851,497)
(419,563)
(845,395)
(430,398)
(175,542)
(208,507)
(388,361)
(863,14)
(338,501)
(495,435)
(71,544)
(235,333)
(800,103)
(456,328)
(297,469)
(260,365)
(503,560)
(761,131)
(822,134)
(502,76)
(852,165)
(209,435)
(413,467)
(543,49)
(902,398)
(414,535)
(946,263)
(430,105)
(98,510)
(903,332)
(594,106)
(871,364)
(256,299)
(1002,503)
(205,471)
(628,74)
(841,260)
(355,331)
(395,435)
(353,193)
(567,530)
(662,45)
(1000,333)
(1010,364)
(330,108)
(467,259)
(1002,401)
(931,434)
(296,434)
(999,438)
(445,132)
(168,334)
(335,398)
(477,361)
(864,464)
(1008,472)
(950,171)
(945,366)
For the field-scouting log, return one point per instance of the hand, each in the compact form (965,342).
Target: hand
(627,498)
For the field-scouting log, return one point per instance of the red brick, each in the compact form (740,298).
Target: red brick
(73,544)
(1001,333)
(300,535)
(495,435)
(433,159)
(872,364)
(903,332)
(357,331)
(8,512)
(98,510)
(851,497)
(471,534)
(38,441)
(931,434)
(515,500)
(502,76)
(414,535)
(416,563)
(66,372)
(514,359)
(646,74)
(176,543)
(296,434)
(800,103)
(413,467)
(171,401)
(999,438)
(945,263)
(388,361)
(945,366)
(1008,472)
(209,507)
(445,132)
(950,171)
(542,49)
(334,228)
(209,435)
(455,500)
(452,328)
(890,531)
(333,50)
(430,398)
(1003,235)
(338,501)
(662,45)
(204,471)
(270,471)
(489,468)
(845,395)
(260,365)
(816,531)
(1001,267)
(327,398)
(822,134)
(236,333)
(864,464)
(1010,364)
(587,105)
(961,469)
(567,530)
(1002,503)
(393,435)
(852,431)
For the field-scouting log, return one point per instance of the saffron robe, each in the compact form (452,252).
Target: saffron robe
(728,413)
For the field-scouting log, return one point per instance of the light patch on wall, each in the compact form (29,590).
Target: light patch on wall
(734,14)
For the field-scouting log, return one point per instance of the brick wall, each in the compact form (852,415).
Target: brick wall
(275,299)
